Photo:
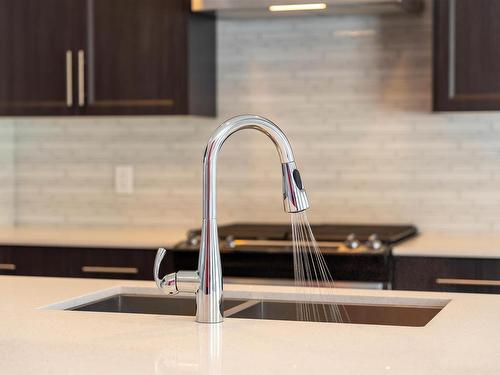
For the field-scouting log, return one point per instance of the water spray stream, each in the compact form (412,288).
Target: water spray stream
(311,270)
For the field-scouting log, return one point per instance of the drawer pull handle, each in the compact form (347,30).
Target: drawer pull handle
(470,282)
(69,78)
(7,267)
(100,269)
(81,78)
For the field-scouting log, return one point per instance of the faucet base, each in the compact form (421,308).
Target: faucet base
(209,298)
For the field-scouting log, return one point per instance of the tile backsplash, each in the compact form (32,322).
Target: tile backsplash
(353,93)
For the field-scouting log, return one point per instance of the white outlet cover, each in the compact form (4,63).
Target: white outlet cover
(124,179)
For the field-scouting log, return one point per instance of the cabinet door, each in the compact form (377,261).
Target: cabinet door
(466,55)
(133,57)
(36,70)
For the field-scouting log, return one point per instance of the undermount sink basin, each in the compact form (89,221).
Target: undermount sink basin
(413,316)
(394,314)
(148,304)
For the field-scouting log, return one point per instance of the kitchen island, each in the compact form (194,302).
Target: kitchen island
(461,339)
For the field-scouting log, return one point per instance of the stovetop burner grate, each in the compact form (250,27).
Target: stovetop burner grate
(389,234)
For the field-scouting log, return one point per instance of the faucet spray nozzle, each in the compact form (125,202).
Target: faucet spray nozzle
(294,195)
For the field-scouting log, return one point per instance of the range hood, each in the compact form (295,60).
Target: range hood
(260,8)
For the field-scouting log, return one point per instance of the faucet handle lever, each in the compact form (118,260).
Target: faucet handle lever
(173,283)
(168,282)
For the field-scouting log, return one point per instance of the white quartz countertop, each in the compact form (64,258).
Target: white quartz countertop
(450,245)
(461,339)
(104,237)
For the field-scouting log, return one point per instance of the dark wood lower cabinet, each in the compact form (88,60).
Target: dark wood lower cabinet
(137,264)
(464,275)
(134,264)
(407,273)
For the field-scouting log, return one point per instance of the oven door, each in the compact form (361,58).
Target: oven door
(348,270)
(289,282)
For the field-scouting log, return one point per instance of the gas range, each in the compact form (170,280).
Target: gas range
(332,239)
(354,253)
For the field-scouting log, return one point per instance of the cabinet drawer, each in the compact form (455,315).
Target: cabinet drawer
(447,274)
(78,262)
(45,261)
(133,264)
(8,264)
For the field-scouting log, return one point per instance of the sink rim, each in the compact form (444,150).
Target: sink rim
(263,309)
(289,294)
(237,304)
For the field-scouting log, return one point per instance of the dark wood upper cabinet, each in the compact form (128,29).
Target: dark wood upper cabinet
(36,42)
(129,47)
(466,55)
(106,57)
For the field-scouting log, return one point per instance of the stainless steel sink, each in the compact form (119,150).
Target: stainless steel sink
(413,316)
(387,310)
(148,304)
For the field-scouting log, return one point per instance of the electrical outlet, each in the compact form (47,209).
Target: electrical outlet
(124,179)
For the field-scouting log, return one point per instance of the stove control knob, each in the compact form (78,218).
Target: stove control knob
(352,242)
(230,242)
(193,238)
(374,242)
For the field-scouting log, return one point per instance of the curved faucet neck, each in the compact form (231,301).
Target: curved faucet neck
(215,143)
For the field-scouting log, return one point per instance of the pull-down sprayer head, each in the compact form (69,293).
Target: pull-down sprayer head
(294,195)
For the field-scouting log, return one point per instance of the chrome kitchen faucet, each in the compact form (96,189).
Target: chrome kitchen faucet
(206,283)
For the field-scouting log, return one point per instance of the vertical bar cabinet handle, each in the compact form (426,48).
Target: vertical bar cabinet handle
(69,78)
(81,78)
